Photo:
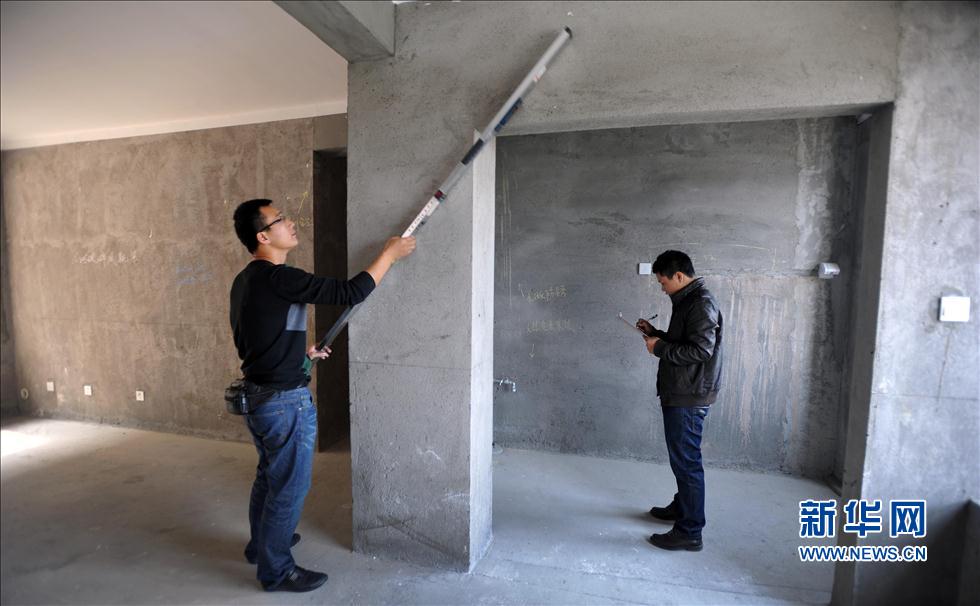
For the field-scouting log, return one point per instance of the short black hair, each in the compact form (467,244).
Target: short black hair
(672,261)
(249,220)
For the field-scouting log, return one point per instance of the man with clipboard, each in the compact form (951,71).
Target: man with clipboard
(688,381)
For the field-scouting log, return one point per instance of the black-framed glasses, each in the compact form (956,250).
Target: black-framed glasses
(280,218)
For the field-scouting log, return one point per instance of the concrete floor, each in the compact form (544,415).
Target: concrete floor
(105,515)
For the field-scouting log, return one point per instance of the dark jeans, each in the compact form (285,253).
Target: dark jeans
(682,428)
(284,430)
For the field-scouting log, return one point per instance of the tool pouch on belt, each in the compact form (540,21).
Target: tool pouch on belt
(242,397)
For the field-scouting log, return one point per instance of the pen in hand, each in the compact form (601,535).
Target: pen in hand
(646,323)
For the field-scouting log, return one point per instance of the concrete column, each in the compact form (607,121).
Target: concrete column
(421,349)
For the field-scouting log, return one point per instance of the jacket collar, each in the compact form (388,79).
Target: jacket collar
(680,295)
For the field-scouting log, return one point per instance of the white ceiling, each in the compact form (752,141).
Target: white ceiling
(82,71)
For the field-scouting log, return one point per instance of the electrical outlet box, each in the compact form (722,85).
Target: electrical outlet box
(954,309)
(139,395)
(827,271)
(644,269)
(87,389)
(50,385)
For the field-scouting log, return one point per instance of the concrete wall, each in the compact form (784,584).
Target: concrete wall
(416,344)
(757,204)
(121,256)
(923,414)
(646,63)
(330,133)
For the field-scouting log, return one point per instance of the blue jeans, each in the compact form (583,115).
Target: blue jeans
(284,431)
(682,428)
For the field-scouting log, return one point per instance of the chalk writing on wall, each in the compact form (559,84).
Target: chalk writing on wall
(550,326)
(547,294)
(107,258)
(302,202)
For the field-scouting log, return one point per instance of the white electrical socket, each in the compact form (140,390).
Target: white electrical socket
(87,389)
(644,269)
(954,309)
(50,385)
(139,395)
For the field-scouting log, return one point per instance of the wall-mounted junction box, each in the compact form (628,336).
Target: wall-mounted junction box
(954,309)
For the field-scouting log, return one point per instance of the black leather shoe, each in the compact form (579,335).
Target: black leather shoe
(667,514)
(296,538)
(300,580)
(675,541)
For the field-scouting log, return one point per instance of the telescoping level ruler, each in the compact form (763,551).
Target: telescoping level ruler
(499,120)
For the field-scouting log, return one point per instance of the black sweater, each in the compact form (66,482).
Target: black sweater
(268,317)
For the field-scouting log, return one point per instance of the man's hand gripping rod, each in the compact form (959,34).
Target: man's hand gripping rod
(499,120)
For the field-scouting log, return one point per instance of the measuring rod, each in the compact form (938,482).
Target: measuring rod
(499,120)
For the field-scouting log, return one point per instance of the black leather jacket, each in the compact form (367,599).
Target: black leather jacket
(690,354)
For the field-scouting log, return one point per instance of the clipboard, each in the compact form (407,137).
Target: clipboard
(633,326)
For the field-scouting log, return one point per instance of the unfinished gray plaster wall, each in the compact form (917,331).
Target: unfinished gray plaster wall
(756,204)
(922,419)
(121,256)
(417,481)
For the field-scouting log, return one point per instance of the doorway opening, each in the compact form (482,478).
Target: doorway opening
(758,206)
(330,259)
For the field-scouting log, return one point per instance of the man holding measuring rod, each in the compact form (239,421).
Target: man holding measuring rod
(268,318)
(269,321)
(688,380)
